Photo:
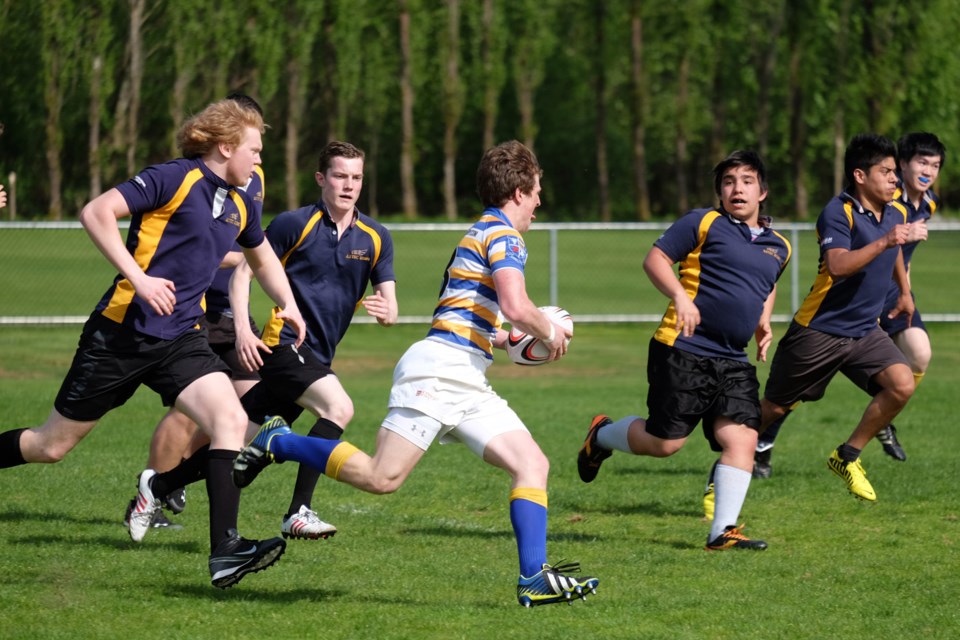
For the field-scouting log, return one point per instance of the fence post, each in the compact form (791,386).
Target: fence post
(554,253)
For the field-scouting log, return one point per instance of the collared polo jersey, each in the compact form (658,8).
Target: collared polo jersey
(328,275)
(728,273)
(467,314)
(184,221)
(850,306)
(217,298)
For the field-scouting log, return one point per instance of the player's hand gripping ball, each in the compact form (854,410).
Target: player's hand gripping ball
(527,350)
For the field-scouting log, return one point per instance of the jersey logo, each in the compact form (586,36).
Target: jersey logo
(359,254)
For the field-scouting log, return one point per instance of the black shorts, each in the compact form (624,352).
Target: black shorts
(806,361)
(285,375)
(112,361)
(223,339)
(685,388)
(898,324)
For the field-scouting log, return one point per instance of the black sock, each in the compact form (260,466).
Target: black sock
(191,470)
(10,454)
(848,453)
(307,477)
(224,496)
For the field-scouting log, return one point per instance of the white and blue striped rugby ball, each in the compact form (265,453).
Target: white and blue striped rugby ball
(529,351)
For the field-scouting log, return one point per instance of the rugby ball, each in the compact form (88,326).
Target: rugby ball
(527,350)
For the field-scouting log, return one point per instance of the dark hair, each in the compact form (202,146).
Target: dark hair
(337,149)
(864,151)
(504,169)
(740,158)
(245,101)
(920,143)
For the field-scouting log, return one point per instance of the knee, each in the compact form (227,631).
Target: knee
(341,413)
(665,448)
(383,485)
(230,423)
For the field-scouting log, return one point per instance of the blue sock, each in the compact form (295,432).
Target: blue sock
(529,521)
(313,452)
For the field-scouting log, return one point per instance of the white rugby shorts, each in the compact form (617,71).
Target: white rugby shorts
(440,391)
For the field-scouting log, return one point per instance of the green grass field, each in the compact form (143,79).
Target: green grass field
(438,559)
(59,272)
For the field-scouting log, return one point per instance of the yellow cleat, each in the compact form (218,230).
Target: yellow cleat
(854,475)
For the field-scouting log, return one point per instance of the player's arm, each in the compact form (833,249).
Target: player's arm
(99,219)
(3,197)
(269,273)
(905,303)
(522,314)
(382,305)
(843,263)
(659,268)
(248,344)
(231,260)
(764,332)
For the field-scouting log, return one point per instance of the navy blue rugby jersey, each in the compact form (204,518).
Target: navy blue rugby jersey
(728,273)
(218,295)
(851,306)
(184,221)
(329,276)
(928,206)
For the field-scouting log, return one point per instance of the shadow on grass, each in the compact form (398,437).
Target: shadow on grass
(247,590)
(19,515)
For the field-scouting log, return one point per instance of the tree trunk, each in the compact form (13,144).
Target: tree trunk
(798,133)
(53,101)
(291,149)
(331,88)
(452,110)
(767,65)
(93,121)
(600,98)
(136,82)
(683,78)
(638,90)
(839,121)
(408,150)
(491,88)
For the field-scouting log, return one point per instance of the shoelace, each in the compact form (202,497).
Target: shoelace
(562,567)
(735,533)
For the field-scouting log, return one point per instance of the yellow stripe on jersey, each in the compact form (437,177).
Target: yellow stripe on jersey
(822,283)
(148,239)
(902,209)
(690,279)
(242,208)
(271,330)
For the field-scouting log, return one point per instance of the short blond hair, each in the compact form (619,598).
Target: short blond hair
(223,121)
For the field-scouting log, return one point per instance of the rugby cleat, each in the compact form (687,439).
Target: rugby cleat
(176,501)
(235,557)
(591,454)
(761,464)
(854,474)
(732,538)
(145,506)
(891,445)
(256,456)
(709,502)
(305,524)
(551,585)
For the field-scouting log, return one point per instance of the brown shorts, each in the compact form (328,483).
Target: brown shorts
(806,361)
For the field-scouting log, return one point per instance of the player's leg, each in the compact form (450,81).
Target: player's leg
(45,444)
(732,476)
(213,404)
(327,400)
(876,359)
(914,342)
(504,442)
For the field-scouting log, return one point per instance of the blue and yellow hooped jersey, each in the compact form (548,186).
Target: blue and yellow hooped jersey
(468,312)
(851,306)
(328,274)
(184,220)
(728,273)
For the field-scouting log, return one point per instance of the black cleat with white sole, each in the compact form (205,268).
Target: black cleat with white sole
(235,557)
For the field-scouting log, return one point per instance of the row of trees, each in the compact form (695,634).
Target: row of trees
(628,103)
